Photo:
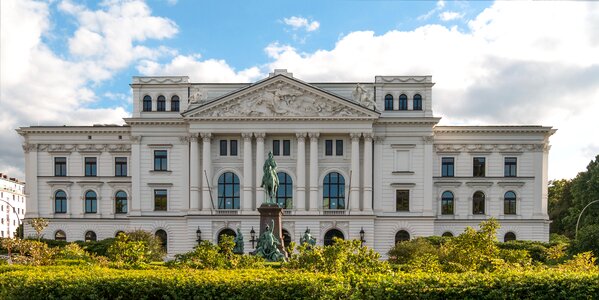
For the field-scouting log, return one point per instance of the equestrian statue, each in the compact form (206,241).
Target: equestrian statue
(270,180)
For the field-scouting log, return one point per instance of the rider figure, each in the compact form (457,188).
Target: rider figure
(270,180)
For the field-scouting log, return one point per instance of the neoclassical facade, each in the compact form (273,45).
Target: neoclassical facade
(12,205)
(354,159)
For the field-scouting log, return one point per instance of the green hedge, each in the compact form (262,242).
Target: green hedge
(102,283)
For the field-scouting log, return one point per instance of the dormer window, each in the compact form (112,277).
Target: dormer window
(175,103)
(147,103)
(161,104)
(417,102)
(388,102)
(403,102)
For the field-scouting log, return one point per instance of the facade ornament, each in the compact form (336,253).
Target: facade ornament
(355,136)
(247,136)
(364,97)
(428,139)
(196,95)
(259,136)
(368,136)
(29,147)
(307,238)
(268,245)
(184,139)
(206,136)
(301,136)
(314,135)
(135,139)
(378,139)
(194,138)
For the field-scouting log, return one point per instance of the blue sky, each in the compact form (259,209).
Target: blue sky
(507,62)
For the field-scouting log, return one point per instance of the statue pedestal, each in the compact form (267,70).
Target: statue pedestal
(269,213)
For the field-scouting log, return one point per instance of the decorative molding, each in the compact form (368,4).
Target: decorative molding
(313,135)
(403,79)
(479,183)
(160,79)
(185,139)
(378,139)
(247,136)
(368,136)
(83,148)
(206,136)
(364,97)
(197,95)
(511,183)
(447,183)
(403,145)
(159,184)
(194,138)
(355,136)
(159,145)
(428,139)
(402,184)
(488,148)
(301,136)
(260,136)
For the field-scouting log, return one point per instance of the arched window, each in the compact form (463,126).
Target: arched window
(334,191)
(447,234)
(509,203)
(163,237)
(91,202)
(175,103)
(402,236)
(285,191)
(60,202)
(228,191)
(478,203)
(120,205)
(227,231)
(60,236)
(403,102)
(90,236)
(161,103)
(447,203)
(388,102)
(286,237)
(333,233)
(510,236)
(147,103)
(417,102)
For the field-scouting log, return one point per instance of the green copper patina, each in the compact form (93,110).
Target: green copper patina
(270,180)
(238,249)
(268,245)
(307,238)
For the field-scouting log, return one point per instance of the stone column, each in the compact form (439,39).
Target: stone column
(259,172)
(247,171)
(207,172)
(355,172)
(314,171)
(194,173)
(427,208)
(367,193)
(378,173)
(33,199)
(135,177)
(300,185)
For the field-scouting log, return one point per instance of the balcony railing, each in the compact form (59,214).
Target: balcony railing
(227,212)
(334,212)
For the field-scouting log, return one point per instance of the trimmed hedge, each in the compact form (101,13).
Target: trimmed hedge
(102,283)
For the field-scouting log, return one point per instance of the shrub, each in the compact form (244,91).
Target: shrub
(581,262)
(209,256)
(537,250)
(472,250)
(405,252)
(587,240)
(34,253)
(133,250)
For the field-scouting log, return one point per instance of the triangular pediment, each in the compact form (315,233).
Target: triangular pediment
(280,97)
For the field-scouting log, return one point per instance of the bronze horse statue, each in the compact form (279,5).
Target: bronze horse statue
(270,179)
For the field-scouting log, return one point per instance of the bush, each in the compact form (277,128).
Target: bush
(209,256)
(134,249)
(582,262)
(33,253)
(587,240)
(405,252)
(537,250)
(472,250)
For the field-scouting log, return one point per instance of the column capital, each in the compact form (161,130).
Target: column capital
(206,136)
(247,136)
(313,135)
(378,139)
(194,137)
(368,136)
(259,136)
(428,139)
(301,135)
(355,136)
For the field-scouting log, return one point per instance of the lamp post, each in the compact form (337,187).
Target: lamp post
(199,235)
(362,233)
(253,237)
(580,215)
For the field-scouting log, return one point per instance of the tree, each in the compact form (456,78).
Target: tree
(584,189)
(560,200)
(38,224)
(587,240)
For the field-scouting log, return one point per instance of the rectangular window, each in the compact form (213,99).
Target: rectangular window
(160,200)
(174,105)
(147,105)
(160,160)
(286,147)
(60,166)
(478,167)
(223,147)
(402,200)
(91,166)
(276,146)
(120,166)
(339,147)
(328,147)
(161,105)
(233,145)
(447,167)
(510,166)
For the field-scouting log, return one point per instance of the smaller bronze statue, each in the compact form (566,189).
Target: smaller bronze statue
(268,245)
(270,179)
(238,249)
(307,238)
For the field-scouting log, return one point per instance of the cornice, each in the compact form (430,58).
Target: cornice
(24,131)
(488,148)
(493,129)
(150,121)
(429,121)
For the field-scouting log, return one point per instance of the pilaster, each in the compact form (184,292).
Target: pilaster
(300,202)
(313,170)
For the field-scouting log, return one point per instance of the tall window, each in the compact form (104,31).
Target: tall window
(417,102)
(160,160)
(228,191)
(233,147)
(175,103)
(161,103)
(510,166)
(328,147)
(339,147)
(447,203)
(90,236)
(478,167)
(334,191)
(120,202)
(91,202)
(60,202)
(478,203)
(285,191)
(281,147)
(388,102)
(147,103)
(120,166)
(90,166)
(510,236)
(60,166)
(163,237)
(223,147)
(402,200)
(402,236)
(60,236)
(447,166)
(509,203)
(276,147)
(403,102)
(160,200)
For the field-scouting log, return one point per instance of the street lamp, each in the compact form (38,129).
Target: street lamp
(362,233)
(252,236)
(199,235)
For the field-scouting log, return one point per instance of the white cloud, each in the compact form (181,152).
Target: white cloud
(450,15)
(439,6)
(40,87)
(300,22)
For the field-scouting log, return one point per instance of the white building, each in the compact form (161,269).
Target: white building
(12,205)
(191,156)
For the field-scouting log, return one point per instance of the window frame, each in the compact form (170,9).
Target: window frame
(63,202)
(510,204)
(63,166)
(285,191)
(147,103)
(328,147)
(233,147)
(93,166)
(480,168)
(177,106)
(158,206)
(92,234)
(402,204)
(510,169)
(339,184)
(118,166)
(445,203)
(223,147)
(417,98)
(286,148)
(90,203)
(161,103)
(482,203)
(276,147)
(445,166)
(388,101)
(160,161)
(337,151)
(403,102)
(223,196)
(402,238)
(118,201)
